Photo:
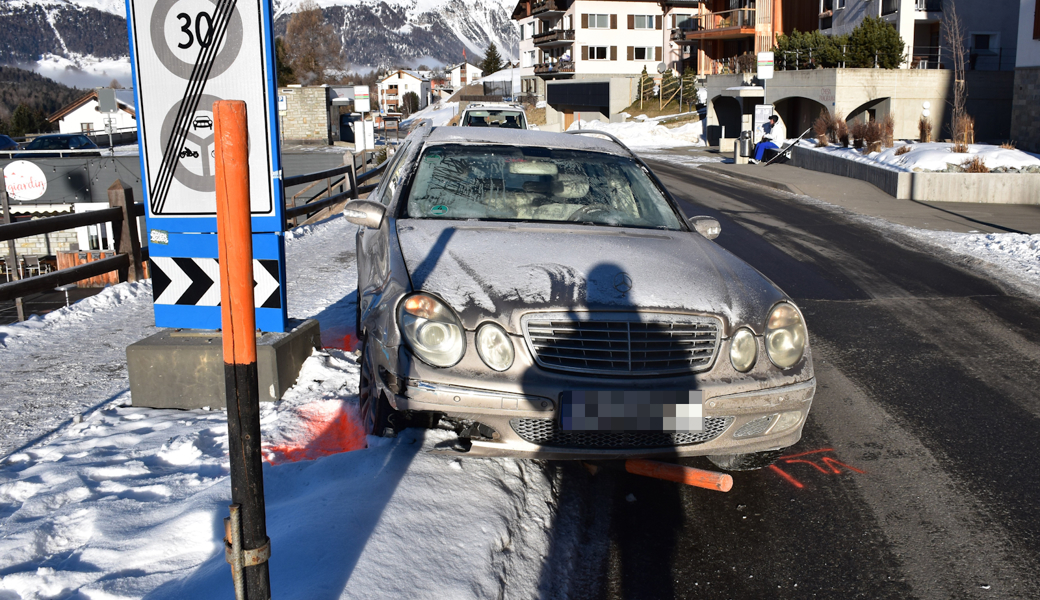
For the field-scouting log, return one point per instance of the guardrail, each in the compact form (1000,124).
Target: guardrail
(55,153)
(318,203)
(128,261)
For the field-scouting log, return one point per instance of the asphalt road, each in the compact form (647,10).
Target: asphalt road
(917,475)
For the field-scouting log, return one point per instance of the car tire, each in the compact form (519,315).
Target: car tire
(751,461)
(377,416)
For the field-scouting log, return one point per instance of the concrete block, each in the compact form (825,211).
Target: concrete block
(184,368)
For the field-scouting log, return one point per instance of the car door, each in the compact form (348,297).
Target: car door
(373,245)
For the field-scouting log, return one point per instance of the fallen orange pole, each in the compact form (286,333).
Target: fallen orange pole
(249,544)
(680,474)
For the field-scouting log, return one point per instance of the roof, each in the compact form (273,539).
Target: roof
(520,137)
(400,72)
(124,98)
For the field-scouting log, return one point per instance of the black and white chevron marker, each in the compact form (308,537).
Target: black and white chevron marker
(196,282)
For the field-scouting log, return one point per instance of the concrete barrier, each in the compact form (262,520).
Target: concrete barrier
(990,188)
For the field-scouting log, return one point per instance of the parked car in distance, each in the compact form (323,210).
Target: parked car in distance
(59,141)
(498,114)
(6,143)
(544,295)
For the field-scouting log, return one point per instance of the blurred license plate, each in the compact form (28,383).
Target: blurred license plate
(673,411)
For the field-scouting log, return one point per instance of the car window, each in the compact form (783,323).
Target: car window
(48,143)
(510,183)
(393,174)
(506,119)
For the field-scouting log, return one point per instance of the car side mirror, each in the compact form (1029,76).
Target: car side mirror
(533,128)
(454,124)
(365,213)
(707,226)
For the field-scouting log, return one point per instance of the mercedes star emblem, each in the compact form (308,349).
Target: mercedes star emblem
(622,282)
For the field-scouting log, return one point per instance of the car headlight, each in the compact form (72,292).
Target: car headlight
(432,330)
(785,335)
(743,350)
(494,347)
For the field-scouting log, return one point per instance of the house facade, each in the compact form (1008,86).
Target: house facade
(991,29)
(84,114)
(1025,111)
(396,84)
(463,74)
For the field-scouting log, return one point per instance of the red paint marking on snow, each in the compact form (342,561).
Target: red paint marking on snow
(324,428)
(783,474)
(348,342)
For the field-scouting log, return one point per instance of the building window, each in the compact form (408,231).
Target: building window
(684,21)
(86,127)
(642,21)
(599,53)
(599,21)
(643,53)
(568,22)
(838,4)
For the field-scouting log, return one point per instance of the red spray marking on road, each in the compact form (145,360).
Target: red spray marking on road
(323,428)
(333,339)
(830,465)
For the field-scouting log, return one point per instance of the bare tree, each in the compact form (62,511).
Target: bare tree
(954,35)
(311,45)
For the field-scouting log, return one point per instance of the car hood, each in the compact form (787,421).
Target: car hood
(498,271)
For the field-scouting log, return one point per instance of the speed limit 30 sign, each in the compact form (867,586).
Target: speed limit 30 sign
(188,54)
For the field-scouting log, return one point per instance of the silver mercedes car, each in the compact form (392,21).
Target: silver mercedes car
(543,295)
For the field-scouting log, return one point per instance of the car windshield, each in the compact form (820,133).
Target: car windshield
(509,183)
(506,119)
(49,143)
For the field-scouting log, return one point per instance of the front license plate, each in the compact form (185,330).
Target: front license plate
(673,411)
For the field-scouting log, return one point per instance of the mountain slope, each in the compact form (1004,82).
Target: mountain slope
(375,33)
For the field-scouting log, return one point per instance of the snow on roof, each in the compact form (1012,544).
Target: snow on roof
(399,72)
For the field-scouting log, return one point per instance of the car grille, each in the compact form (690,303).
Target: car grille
(546,432)
(622,343)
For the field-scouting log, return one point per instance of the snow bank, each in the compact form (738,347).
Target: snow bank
(648,134)
(1015,257)
(440,113)
(935,156)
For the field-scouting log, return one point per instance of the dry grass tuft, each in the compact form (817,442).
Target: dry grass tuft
(924,130)
(821,127)
(1009,145)
(873,136)
(974,165)
(888,129)
(858,130)
(959,148)
(903,149)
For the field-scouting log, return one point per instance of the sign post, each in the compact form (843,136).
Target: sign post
(188,54)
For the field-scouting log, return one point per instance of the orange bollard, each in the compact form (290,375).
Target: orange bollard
(690,476)
(249,544)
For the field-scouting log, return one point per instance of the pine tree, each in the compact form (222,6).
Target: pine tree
(286,76)
(875,43)
(410,103)
(492,61)
(27,120)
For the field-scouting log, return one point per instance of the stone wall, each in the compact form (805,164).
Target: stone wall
(50,243)
(306,115)
(1025,109)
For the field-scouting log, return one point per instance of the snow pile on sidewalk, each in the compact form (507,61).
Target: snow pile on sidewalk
(125,502)
(937,157)
(440,113)
(648,133)
(1014,256)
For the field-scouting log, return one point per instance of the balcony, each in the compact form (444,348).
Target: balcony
(725,25)
(681,33)
(546,8)
(556,37)
(563,67)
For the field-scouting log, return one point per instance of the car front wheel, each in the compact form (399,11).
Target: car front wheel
(376,413)
(751,461)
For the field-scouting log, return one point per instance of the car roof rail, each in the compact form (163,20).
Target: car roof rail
(428,125)
(604,134)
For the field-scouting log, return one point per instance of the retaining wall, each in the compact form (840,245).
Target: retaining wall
(988,188)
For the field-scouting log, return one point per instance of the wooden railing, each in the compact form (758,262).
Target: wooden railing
(350,183)
(128,260)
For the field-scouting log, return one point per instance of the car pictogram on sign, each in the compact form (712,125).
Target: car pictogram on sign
(202,122)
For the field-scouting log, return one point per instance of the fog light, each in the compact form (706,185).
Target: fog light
(787,420)
(756,427)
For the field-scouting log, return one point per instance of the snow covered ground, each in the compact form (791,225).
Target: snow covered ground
(648,133)
(124,502)
(440,113)
(935,156)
